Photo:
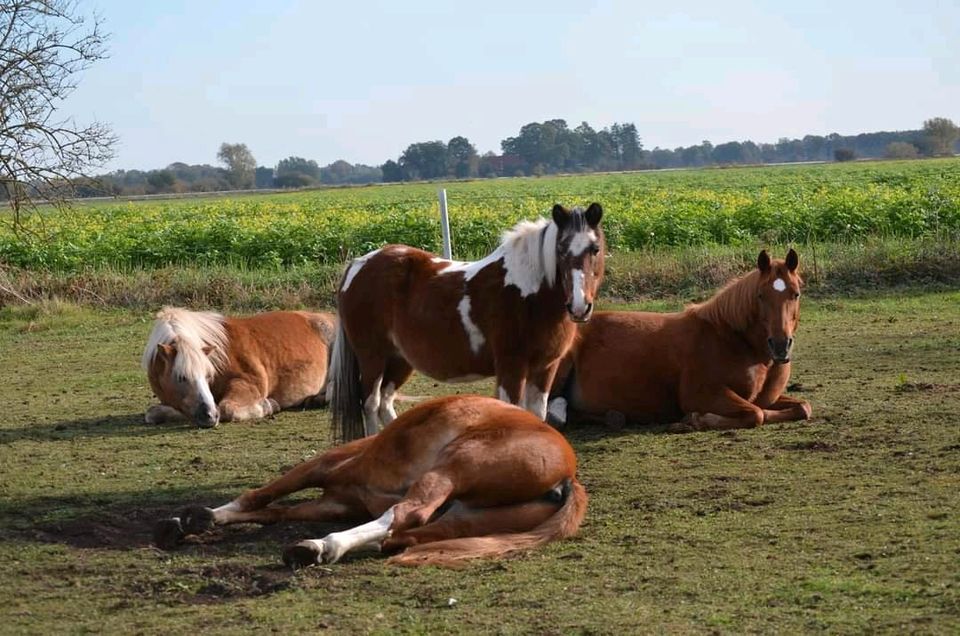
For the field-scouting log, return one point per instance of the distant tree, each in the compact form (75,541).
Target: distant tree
(392,172)
(425,160)
(296,172)
(161,180)
(844,154)
(44,46)
(941,134)
(730,152)
(901,150)
(463,158)
(263,178)
(241,166)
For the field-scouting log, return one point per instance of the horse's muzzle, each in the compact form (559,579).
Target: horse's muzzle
(205,417)
(584,317)
(780,349)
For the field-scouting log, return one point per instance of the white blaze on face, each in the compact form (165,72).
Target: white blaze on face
(578,303)
(779,285)
(581,241)
(204,394)
(473,331)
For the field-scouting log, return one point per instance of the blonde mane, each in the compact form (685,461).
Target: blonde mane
(735,305)
(191,331)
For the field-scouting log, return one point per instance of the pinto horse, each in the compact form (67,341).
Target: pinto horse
(455,478)
(506,315)
(209,368)
(722,364)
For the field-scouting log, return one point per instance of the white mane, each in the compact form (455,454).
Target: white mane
(191,331)
(529,254)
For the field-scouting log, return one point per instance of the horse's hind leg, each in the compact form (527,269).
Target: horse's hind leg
(397,373)
(423,499)
(462,521)
(372,370)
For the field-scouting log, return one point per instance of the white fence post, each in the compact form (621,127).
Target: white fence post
(445,224)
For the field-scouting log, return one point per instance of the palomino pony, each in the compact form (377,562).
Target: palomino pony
(451,479)
(719,365)
(207,367)
(506,315)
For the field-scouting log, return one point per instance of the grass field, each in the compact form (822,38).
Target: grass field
(848,523)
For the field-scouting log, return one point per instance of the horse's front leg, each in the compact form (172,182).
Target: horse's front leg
(161,413)
(538,389)
(511,379)
(721,410)
(245,400)
(787,409)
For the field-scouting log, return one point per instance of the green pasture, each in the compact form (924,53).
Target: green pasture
(846,524)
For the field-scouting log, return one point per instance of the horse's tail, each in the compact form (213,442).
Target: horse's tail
(453,552)
(344,389)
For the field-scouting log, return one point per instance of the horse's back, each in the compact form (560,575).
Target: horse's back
(631,362)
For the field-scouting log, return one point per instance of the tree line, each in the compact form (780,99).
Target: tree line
(549,147)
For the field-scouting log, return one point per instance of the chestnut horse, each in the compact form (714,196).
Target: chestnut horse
(719,365)
(206,367)
(506,315)
(455,478)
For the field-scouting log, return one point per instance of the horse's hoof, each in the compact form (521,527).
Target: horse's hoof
(301,555)
(167,533)
(197,520)
(271,406)
(555,421)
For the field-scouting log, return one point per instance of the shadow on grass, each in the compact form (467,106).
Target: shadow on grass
(125,521)
(130,425)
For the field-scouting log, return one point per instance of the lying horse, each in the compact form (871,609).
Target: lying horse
(719,365)
(207,367)
(451,479)
(506,315)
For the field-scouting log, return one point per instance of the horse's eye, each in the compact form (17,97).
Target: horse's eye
(796,295)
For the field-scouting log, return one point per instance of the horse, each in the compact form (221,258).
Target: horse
(209,368)
(451,479)
(722,364)
(505,315)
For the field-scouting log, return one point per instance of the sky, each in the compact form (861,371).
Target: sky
(360,81)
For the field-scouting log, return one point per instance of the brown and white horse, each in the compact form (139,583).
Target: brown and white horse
(209,368)
(507,315)
(719,365)
(451,479)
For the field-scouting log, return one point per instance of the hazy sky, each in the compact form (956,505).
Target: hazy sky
(362,80)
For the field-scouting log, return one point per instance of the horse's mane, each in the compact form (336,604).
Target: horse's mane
(735,305)
(531,247)
(191,331)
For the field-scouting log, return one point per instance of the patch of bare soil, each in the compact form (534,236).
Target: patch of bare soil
(810,445)
(926,387)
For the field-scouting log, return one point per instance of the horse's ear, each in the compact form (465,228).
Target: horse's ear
(763,261)
(167,351)
(594,213)
(792,260)
(560,216)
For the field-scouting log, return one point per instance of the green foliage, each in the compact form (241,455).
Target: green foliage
(785,205)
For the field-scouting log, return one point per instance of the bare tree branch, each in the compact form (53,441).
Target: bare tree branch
(45,45)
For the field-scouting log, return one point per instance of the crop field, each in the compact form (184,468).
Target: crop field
(847,523)
(782,204)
